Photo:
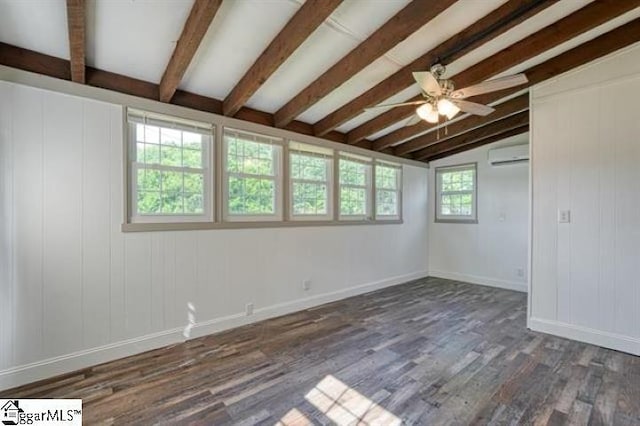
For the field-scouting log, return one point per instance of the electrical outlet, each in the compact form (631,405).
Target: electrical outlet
(520,272)
(564,216)
(249,309)
(306,285)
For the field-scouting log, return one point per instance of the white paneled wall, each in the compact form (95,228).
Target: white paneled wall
(75,290)
(494,250)
(586,159)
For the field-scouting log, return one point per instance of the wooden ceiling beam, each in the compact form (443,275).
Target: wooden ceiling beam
(492,129)
(24,59)
(492,25)
(481,142)
(584,19)
(306,20)
(39,63)
(76,23)
(512,106)
(415,15)
(28,60)
(196,26)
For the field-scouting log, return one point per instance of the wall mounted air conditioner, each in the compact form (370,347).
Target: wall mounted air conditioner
(509,155)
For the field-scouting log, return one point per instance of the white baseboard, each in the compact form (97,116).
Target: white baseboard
(237,320)
(474,279)
(18,376)
(588,335)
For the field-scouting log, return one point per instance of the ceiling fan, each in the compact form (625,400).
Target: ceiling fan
(441,97)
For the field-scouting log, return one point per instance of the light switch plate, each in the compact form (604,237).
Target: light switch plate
(564,216)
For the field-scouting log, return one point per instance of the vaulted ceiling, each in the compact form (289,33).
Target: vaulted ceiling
(313,66)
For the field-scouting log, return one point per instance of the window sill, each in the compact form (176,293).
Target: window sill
(193,226)
(463,221)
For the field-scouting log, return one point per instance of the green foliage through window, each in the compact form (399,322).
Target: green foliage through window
(354,188)
(171,180)
(310,184)
(252,172)
(387,199)
(170,170)
(456,192)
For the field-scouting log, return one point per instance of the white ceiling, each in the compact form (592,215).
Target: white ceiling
(136,38)
(35,25)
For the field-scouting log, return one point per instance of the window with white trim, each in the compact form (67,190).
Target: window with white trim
(310,182)
(456,193)
(388,189)
(170,169)
(355,187)
(252,181)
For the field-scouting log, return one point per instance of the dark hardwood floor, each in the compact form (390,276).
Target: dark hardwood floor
(430,352)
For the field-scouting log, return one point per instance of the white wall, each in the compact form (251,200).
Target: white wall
(586,159)
(77,291)
(494,250)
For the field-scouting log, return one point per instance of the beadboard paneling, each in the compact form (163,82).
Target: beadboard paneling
(76,290)
(586,157)
(494,250)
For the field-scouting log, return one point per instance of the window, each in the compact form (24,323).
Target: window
(355,187)
(170,168)
(456,191)
(310,170)
(388,180)
(183,174)
(252,176)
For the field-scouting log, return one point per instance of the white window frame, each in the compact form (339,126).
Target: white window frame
(439,217)
(276,178)
(397,190)
(368,187)
(296,148)
(135,117)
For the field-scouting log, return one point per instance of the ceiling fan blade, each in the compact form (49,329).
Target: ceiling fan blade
(395,105)
(490,86)
(472,107)
(415,119)
(428,83)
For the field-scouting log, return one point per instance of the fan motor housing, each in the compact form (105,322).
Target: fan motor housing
(447,87)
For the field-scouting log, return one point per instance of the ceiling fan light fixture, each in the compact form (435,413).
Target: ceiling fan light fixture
(433,117)
(447,108)
(424,111)
(453,113)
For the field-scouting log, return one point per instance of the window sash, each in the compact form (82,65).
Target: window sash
(135,216)
(396,204)
(310,216)
(441,193)
(396,189)
(276,177)
(367,187)
(274,199)
(327,182)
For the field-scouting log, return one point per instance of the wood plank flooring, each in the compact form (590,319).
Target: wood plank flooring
(429,352)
